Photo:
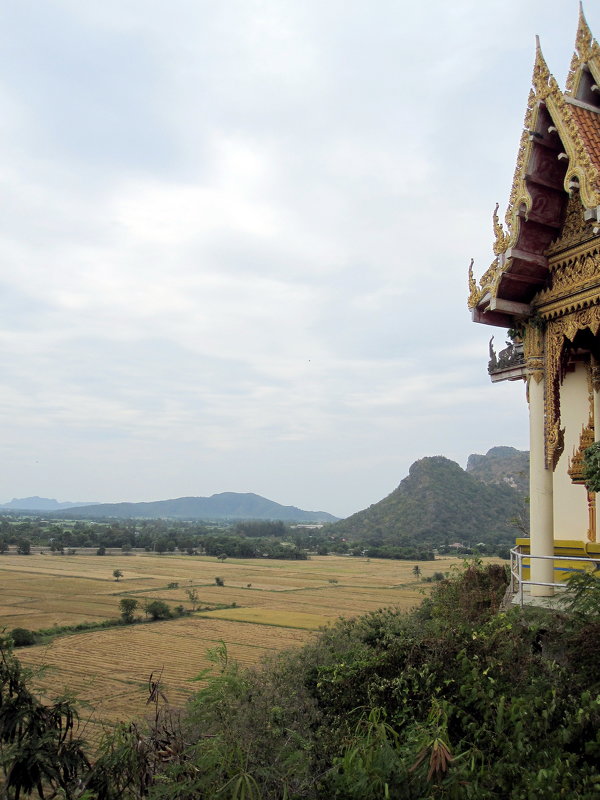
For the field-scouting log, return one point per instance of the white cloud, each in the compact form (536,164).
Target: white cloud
(234,240)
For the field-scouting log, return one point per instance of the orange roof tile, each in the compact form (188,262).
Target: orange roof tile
(588,123)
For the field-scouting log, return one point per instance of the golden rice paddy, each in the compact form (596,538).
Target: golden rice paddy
(278,605)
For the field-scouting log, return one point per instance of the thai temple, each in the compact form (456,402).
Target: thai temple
(544,287)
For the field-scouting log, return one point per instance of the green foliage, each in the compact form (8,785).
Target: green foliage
(582,596)
(127,608)
(193,597)
(453,701)
(157,609)
(22,637)
(117,574)
(436,504)
(591,467)
(24,547)
(39,749)
(219,581)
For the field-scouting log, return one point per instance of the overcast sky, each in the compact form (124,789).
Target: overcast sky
(235,237)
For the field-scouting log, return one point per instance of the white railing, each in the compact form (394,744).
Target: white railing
(518,582)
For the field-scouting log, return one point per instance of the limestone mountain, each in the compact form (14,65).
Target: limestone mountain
(502,466)
(437,503)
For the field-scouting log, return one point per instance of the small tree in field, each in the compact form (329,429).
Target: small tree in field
(222,556)
(158,609)
(127,605)
(117,574)
(24,547)
(416,571)
(219,581)
(193,597)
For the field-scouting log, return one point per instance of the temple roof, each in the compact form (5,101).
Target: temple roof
(588,123)
(559,156)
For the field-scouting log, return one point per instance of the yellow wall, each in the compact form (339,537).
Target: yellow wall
(570,500)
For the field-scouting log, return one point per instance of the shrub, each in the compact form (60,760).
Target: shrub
(22,637)
(591,467)
(158,609)
(219,581)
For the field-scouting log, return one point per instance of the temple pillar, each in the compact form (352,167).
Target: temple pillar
(540,479)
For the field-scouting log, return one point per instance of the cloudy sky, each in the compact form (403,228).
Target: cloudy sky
(235,237)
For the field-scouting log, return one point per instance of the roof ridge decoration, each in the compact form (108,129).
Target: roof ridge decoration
(586,49)
(581,170)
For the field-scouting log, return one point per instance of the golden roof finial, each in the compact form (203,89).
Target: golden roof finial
(501,238)
(472,287)
(541,73)
(584,48)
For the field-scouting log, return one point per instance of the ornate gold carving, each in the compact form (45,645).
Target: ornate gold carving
(585,48)
(575,468)
(576,473)
(574,283)
(473,290)
(575,229)
(502,238)
(518,193)
(545,90)
(557,332)
(555,445)
(533,350)
(486,284)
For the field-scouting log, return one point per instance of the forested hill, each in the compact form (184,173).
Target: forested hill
(438,503)
(223,506)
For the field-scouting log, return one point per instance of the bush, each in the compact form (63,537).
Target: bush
(219,581)
(591,467)
(22,637)
(158,609)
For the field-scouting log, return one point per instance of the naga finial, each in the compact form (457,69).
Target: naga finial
(501,240)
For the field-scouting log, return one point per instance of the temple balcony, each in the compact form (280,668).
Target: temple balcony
(569,557)
(508,364)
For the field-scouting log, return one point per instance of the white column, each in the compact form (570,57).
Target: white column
(540,494)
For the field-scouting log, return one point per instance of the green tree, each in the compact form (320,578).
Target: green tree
(416,570)
(222,556)
(22,637)
(24,547)
(193,597)
(117,574)
(127,606)
(157,609)
(39,748)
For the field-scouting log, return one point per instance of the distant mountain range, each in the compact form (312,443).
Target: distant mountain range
(39,504)
(440,503)
(437,502)
(224,506)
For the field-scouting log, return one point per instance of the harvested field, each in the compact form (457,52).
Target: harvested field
(110,668)
(273,605)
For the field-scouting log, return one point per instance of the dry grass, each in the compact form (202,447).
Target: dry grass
(279,605)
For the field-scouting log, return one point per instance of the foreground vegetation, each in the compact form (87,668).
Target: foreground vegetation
(452,700)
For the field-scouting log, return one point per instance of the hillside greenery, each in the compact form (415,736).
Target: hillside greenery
(436,505)
(454,700)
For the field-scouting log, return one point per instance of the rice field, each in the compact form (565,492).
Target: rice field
(273,605)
